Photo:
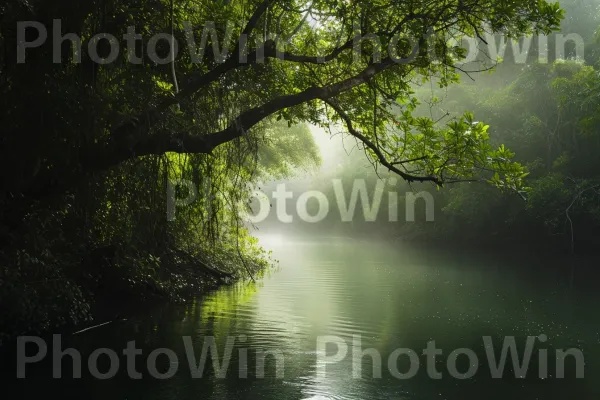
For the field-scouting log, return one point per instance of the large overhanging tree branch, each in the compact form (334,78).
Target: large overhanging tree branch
(221,101)
(242,56)
(185,142)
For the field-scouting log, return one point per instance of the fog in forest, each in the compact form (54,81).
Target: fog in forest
(290,199)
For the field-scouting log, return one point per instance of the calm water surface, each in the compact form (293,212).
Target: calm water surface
(391,296)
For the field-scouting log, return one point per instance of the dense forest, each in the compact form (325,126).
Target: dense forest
(541,105)
(224,96)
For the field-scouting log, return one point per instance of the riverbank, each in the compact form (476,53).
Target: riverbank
(105,286)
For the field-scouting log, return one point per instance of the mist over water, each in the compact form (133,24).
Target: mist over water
(390,296)
(295,228)
(343,195)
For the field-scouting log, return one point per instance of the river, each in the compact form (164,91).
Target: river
(325,296)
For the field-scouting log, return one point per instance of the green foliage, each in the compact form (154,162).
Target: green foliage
(285,149)
(93,146)
(549,116)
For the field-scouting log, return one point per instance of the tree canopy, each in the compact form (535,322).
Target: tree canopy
(92,136)
(322,62)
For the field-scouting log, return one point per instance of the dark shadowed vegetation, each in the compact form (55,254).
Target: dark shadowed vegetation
(90,151)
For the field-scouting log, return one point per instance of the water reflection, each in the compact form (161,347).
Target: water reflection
(388,296)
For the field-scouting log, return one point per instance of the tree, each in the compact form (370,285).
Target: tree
(549,116)
(88,146)
(349,83)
